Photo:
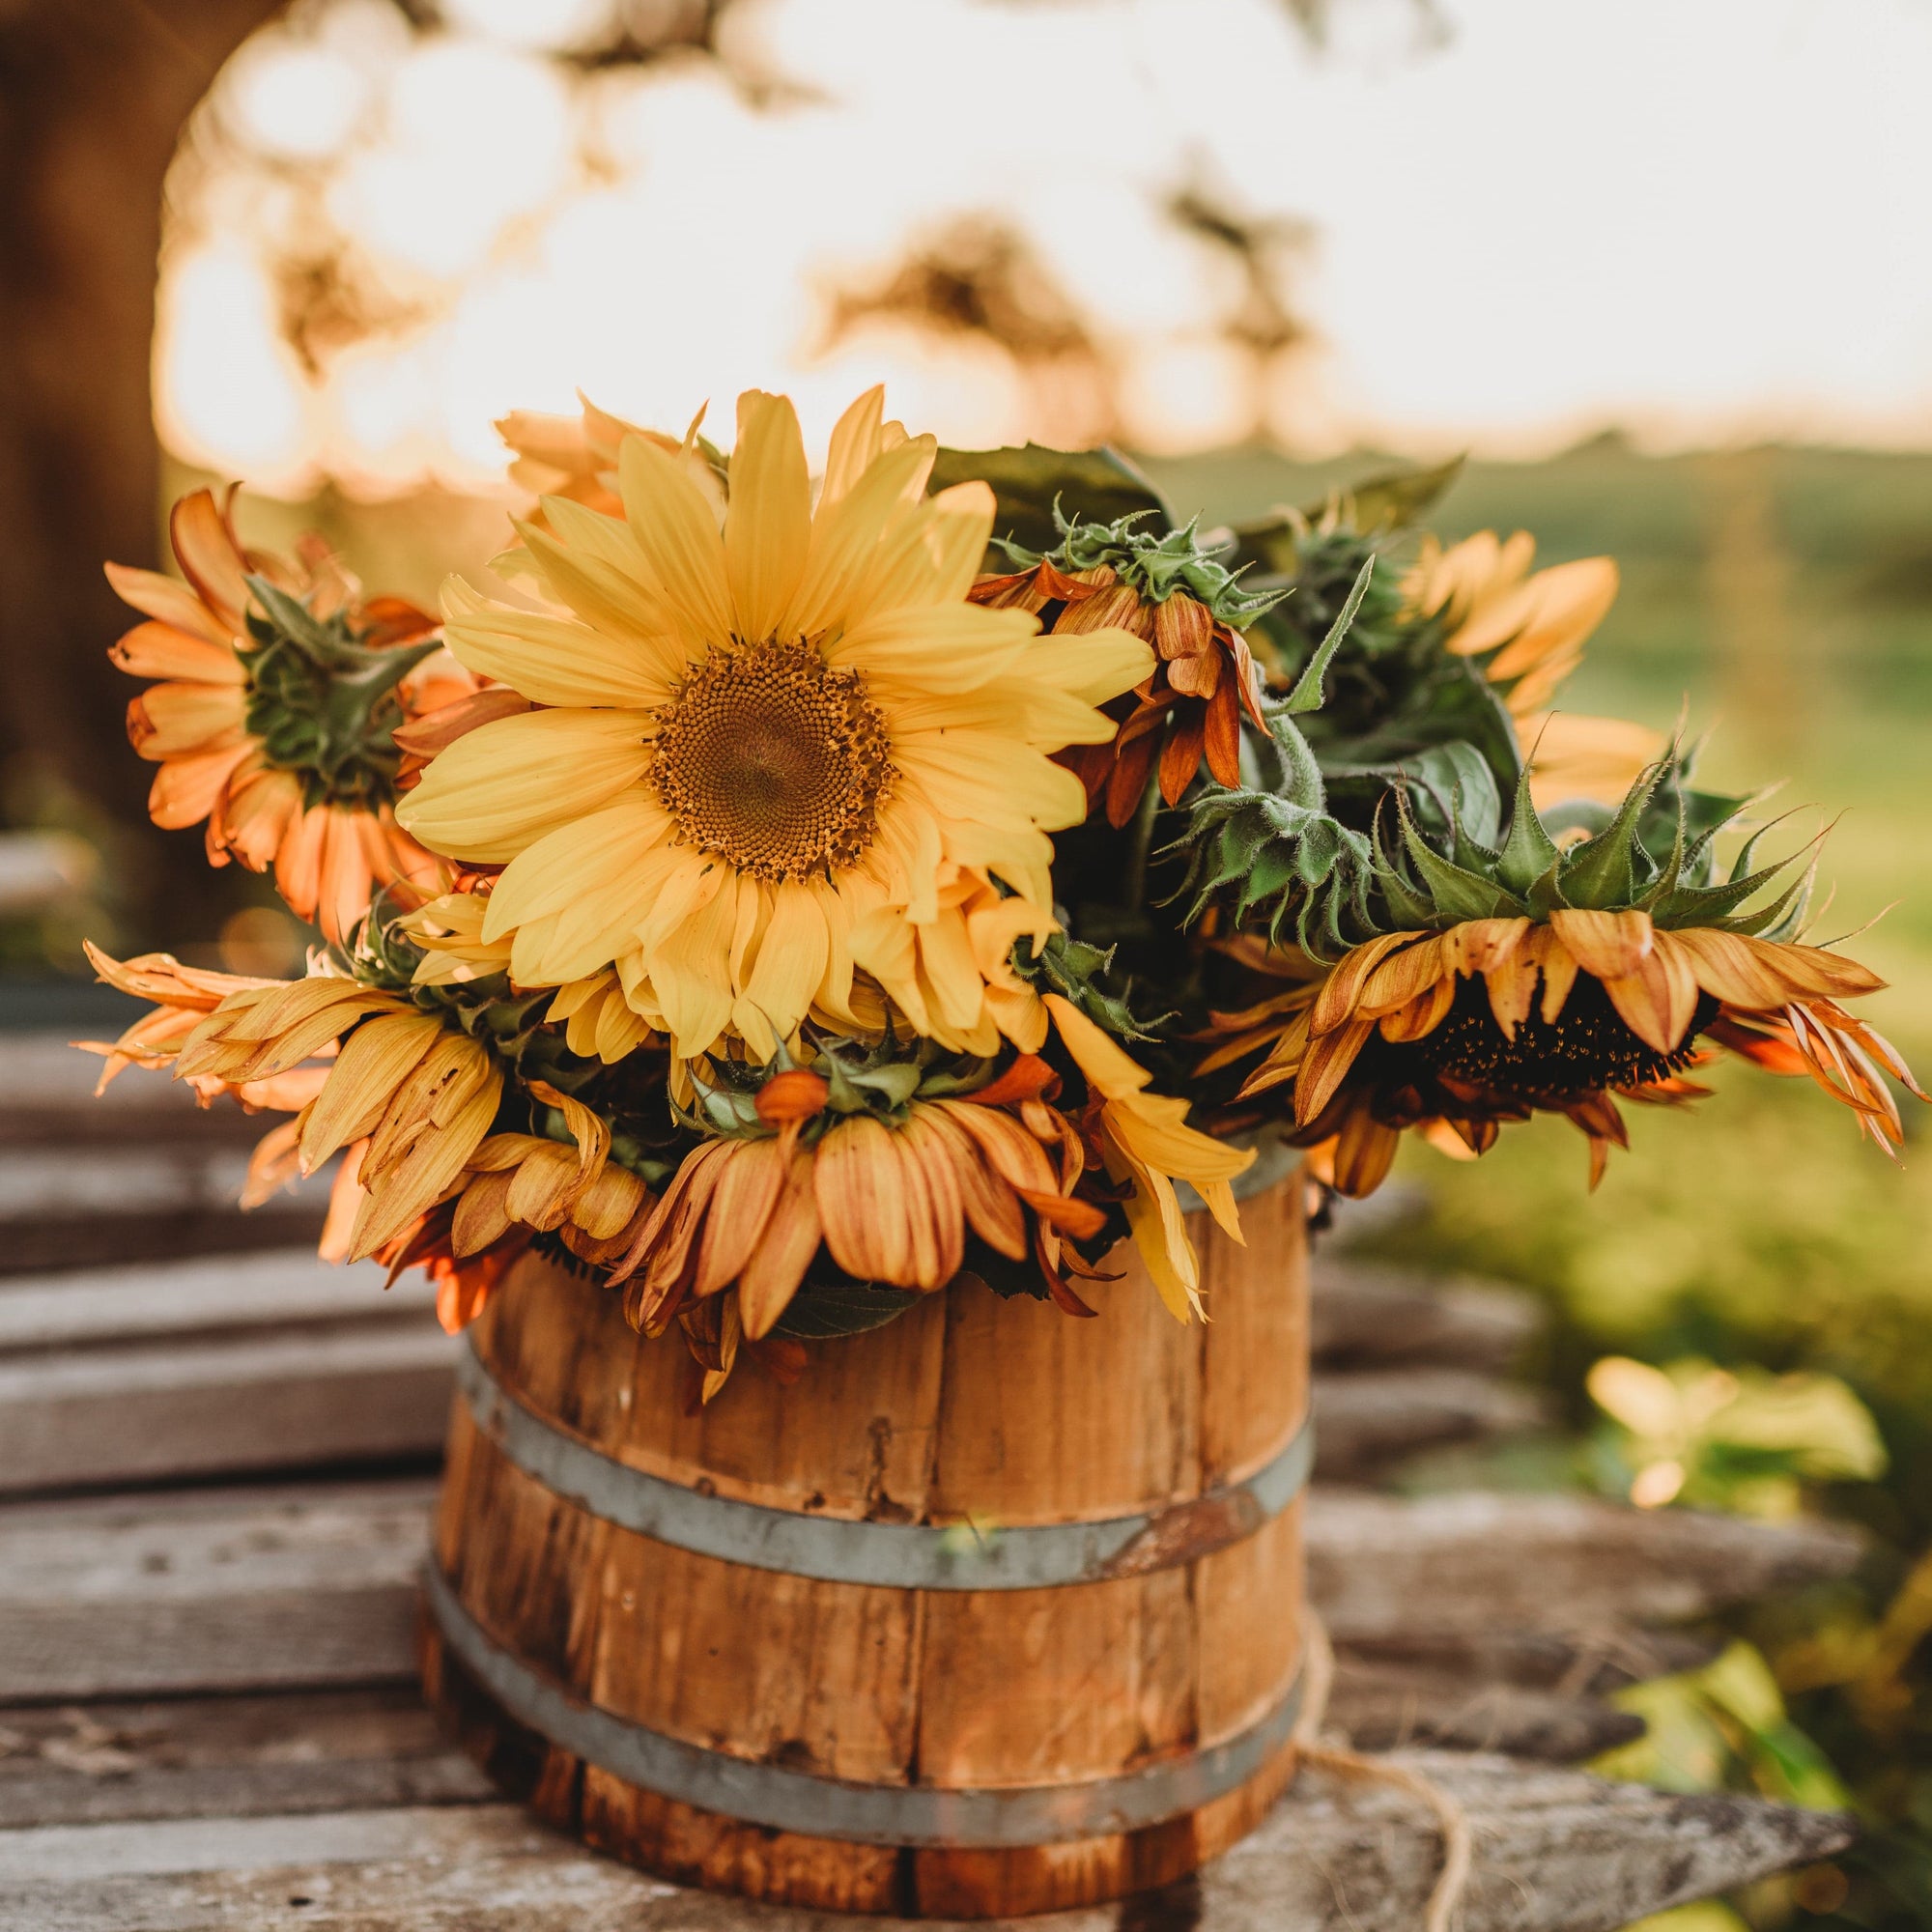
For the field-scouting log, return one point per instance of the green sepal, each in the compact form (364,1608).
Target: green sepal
(1301,783)
(1713,906)
(1456,894)
(1601,875)
(1407,908)
(1673,869)
(1783,915)
(321,703)
(858,1084)
(1154,566)
(1529,853)
(1388,502)
(1075,970)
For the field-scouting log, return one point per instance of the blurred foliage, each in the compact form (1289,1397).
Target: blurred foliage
(1723,1728)
(1789,595)
(1748,1442)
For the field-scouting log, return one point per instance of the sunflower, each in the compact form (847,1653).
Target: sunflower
(1529,627)
(771,757)
(1176,597)
(889,1199)
(576,457)
(418,1095)
(278,689)
(183,997)
(1555,982)
(1145,1139)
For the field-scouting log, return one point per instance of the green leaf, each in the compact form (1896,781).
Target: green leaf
(1458,771)
(292,618)
(1091,485)
(1074,969)
(1307,693)
(823,1310)
(1397,499)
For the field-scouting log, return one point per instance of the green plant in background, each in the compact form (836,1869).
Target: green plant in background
(1723,1728)
(1743,1440)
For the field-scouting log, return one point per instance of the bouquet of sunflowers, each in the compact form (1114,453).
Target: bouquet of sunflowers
(785,895)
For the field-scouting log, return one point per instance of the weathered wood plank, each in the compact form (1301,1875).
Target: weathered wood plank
(34,1244)
(225,1406)
(131,1596)
(1590,1663)
(1557,1852)
(46,1093)
(1367,1419)
(1383,1706)
(1371,1311)
(361,1749)
(170,1195)
(227,1757)
(316,1586)
(200,1296)
(1381,1566)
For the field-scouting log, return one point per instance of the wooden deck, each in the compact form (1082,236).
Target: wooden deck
(216,1458)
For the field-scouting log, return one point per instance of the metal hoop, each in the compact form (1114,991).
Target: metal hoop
(903,1556)
(830,1807)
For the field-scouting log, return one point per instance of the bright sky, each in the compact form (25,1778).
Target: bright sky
(1700,219)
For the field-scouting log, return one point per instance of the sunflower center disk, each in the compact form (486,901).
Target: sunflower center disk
(774,760)
(1585,1049)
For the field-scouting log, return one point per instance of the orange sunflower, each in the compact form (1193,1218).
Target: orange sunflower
(1452,1034)
(278,689)
(1529,627)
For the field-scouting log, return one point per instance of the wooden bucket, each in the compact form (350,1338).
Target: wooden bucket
(996,1611)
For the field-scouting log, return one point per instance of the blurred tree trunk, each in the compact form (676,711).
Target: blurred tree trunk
(93,95)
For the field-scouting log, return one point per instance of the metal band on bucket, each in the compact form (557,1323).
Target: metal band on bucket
(990,1818)
(904,1556)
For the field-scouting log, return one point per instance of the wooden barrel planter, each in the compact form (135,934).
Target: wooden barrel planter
(995,1612)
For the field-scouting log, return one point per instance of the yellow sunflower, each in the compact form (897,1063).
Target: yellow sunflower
(774,754)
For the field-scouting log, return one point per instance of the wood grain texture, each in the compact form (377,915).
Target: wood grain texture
(150,1595)
(237,1757)
(972,1408)
(1556,1852)
(1478,1562)
(364,1392)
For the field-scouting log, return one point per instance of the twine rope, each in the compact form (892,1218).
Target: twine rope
(1457,1838)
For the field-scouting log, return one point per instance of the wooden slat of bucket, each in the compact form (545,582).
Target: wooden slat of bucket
(858,1443)
(1005,1410)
